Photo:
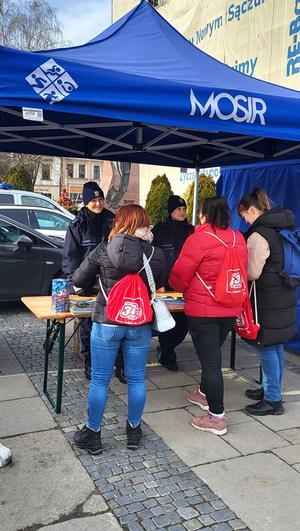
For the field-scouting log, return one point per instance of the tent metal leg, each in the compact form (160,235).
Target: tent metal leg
(232,361)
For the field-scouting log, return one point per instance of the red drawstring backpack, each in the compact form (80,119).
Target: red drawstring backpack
(245,326)
(128,302)
(231,285)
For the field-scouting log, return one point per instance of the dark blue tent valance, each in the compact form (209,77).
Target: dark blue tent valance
(141,92)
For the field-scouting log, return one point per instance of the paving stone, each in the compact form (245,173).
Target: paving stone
(187,513)
(204,508)
(192,525)
(128,518)
(206,519)
(222,527)
(160,521)
(94,505)
(223,516)
(134,526)
(174,517)
(237,524)
(149,525)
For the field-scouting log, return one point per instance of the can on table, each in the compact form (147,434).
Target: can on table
(60,295)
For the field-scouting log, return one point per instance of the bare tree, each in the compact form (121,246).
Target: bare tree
(119,186)
(30,25)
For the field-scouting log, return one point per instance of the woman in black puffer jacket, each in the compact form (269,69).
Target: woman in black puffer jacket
(129,240)
(276,302)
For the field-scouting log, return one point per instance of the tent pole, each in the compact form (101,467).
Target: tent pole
(195,201)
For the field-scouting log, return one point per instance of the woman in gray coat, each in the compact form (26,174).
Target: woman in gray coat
(128,241)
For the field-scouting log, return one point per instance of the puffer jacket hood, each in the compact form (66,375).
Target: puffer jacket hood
(275,218)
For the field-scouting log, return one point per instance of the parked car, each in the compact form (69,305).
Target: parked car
(28,261)
(22,197)
(51,223)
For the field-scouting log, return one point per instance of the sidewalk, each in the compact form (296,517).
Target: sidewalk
(179,479)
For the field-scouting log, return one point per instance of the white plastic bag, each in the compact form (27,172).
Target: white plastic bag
(162,320)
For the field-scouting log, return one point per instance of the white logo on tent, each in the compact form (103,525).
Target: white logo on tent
(239,108)
(51,82)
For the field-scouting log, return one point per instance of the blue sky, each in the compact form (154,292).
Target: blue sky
(81,20)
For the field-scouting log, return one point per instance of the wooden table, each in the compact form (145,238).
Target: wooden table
(55,333)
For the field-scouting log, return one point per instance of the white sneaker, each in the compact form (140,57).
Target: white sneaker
(5,455)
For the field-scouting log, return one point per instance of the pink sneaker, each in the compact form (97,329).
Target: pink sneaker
(197,398)
(210,423)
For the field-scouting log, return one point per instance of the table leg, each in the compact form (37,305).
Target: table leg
(60,371)
(232,361)
(232,350)
(55,330)
(47,350)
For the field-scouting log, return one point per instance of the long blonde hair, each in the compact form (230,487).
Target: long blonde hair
(128,219)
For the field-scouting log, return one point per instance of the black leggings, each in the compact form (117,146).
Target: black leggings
(208,335)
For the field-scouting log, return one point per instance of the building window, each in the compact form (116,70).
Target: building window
(46,172)
(81,171)
(70,171)
(96,173)
(76,198)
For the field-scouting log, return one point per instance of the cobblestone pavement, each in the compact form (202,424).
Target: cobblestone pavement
(146,489)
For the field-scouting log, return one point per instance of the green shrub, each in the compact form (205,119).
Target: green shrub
(157,199)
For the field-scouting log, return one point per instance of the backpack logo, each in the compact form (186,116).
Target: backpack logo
(132,309)
(235,281)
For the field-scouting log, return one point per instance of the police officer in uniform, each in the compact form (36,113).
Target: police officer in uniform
(91,226)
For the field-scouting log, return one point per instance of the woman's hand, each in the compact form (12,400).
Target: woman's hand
(161,290)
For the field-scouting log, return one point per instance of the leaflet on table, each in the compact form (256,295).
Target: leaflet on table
(82,306)
(172,300)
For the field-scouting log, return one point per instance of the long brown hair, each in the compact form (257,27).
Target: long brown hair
(258,199)
(128,219)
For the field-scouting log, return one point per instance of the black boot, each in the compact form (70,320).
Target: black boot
(88,370)
(266,407)
(170,366)
(89,440)
(134,436)
(255,394)
(119,373)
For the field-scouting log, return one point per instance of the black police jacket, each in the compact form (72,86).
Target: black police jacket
(85,232)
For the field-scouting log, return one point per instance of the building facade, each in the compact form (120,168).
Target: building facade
(66,176)
(48,180)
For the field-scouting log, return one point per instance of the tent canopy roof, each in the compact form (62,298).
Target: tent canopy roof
(140,92)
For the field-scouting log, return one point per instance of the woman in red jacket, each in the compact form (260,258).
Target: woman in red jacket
(209,321)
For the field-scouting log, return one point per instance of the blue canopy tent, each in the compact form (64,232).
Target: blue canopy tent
(140,92)
(282,182)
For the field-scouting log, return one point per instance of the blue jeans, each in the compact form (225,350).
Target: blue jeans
(105,343)
(272,361)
